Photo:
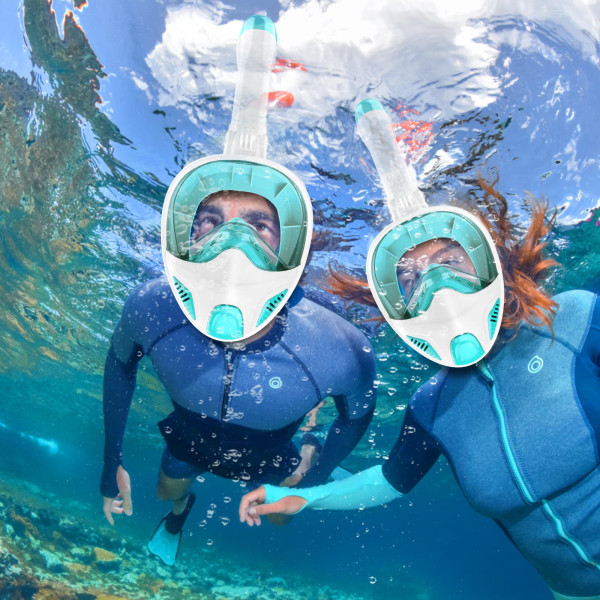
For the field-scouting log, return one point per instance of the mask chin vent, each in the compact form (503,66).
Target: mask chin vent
(185,296)
(424,346)
(493,318)
(270,306)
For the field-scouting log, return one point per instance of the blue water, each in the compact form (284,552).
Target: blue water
(100,110)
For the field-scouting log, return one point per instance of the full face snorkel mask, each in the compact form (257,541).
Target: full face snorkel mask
(434,272)
(231,282)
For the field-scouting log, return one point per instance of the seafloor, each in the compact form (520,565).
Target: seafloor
(49,552)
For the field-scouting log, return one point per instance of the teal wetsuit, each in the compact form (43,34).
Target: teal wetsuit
(521,433)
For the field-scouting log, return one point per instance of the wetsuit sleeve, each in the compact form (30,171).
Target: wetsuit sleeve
(119,384)
(355,411)
(413,454)
(364,490)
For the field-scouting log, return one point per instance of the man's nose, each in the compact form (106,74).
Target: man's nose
(231,213)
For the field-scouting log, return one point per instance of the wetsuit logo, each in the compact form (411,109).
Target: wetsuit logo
(275,382)
(535,364)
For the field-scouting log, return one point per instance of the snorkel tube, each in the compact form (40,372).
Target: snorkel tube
(230,283)
(452,316)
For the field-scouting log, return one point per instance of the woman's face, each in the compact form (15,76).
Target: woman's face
(441,251)
(253,209)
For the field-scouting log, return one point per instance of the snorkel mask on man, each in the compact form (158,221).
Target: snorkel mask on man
(434,272)
(236,227)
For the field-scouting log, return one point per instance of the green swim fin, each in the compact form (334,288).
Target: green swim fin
(165,541)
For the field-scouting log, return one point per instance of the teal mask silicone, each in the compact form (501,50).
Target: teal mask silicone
(436,278)
(241,176)
(424,228)
(239,235)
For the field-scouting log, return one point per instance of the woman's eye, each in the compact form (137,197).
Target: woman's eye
(406,280)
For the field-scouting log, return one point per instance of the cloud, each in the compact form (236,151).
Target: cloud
(437,51)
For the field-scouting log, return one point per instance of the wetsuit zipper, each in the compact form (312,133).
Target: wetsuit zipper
(229,358)
(508,451)
(558,523)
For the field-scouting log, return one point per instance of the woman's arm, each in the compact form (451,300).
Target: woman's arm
(412,456)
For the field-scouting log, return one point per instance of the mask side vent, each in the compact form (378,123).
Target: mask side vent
(270,306)
(185,296)
(493,318)
(424,346)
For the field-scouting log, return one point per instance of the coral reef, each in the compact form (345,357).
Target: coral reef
(48,553)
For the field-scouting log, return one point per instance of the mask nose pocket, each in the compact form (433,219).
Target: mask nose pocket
(226,322)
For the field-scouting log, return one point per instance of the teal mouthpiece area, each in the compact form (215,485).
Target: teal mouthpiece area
(259,22)
(466,349)
(367,106)
(226,323)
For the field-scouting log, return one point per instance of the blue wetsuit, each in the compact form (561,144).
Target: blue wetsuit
(522,437)
(236,410)
(521,433)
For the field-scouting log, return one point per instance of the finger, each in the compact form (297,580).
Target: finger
(253,497)
(124,485)
(127,504)
(108,515)
(281,507)
(252,519)
(117,510)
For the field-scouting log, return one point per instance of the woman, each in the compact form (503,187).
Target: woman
(520,429)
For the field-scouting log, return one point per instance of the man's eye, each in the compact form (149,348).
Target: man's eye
(208,221)
(262,227)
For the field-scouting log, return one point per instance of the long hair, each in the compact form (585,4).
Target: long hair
(522,260)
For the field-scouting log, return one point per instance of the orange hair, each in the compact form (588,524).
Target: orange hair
(523,263)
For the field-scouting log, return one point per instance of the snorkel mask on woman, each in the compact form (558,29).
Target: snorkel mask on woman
(434,272)
(232,280)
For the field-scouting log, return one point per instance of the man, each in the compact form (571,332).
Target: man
(236,405)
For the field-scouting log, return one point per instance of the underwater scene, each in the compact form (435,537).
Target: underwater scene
(102,104)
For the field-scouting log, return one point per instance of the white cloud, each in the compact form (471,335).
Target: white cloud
(435,50)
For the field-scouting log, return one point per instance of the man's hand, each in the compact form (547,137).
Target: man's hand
(122,503)
(252,506)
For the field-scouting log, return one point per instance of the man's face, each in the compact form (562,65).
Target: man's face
(253,209)
(442,251)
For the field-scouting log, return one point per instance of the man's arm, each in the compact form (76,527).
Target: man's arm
(120,372)
(355,410)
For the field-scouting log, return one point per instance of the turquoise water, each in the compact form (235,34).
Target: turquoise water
(100,106)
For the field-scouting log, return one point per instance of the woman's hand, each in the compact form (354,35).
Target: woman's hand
(252,506)
(122,503)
